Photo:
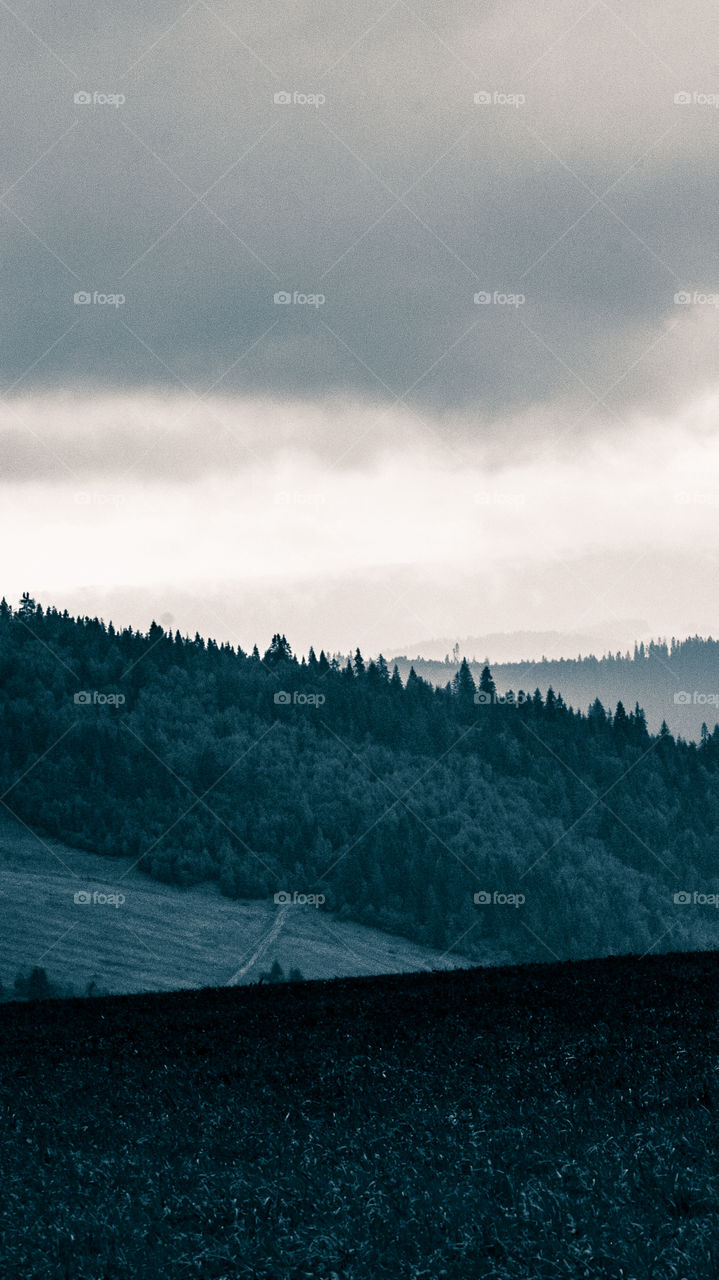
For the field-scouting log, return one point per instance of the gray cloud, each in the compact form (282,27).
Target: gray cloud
(397,199)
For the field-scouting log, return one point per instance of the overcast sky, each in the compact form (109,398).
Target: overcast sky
(490,402)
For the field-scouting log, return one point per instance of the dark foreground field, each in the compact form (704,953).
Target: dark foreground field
(553,1121)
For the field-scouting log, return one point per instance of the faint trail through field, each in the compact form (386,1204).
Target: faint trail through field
(268,939)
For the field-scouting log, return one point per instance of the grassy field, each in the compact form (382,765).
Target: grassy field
(532,1123)
(162,937)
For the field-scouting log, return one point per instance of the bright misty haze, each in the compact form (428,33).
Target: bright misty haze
(490,403)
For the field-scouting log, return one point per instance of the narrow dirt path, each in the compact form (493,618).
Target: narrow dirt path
(266,942)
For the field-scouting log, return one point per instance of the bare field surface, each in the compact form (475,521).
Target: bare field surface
(162,937)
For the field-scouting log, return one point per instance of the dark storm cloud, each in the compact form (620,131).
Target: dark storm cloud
(391,203)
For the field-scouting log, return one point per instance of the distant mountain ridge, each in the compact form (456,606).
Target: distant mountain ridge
(676,682)
(520,646)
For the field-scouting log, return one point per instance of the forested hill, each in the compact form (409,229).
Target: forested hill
(398,803)
(677,681)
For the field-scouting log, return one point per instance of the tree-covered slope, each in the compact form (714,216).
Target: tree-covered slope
(397,803)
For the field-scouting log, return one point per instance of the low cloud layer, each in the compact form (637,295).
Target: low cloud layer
(380,549)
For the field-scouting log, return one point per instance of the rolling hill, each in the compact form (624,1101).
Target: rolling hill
(162,937)
(446,816)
